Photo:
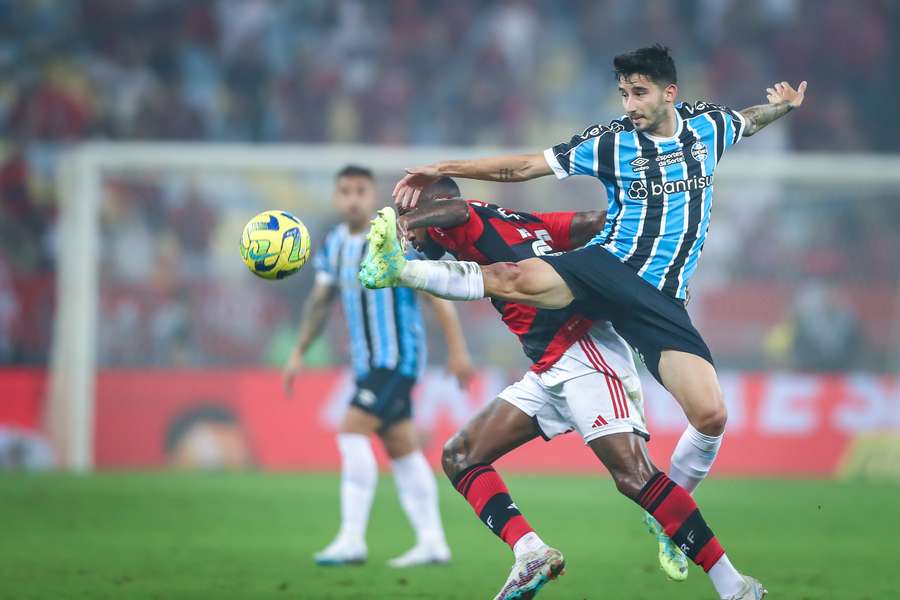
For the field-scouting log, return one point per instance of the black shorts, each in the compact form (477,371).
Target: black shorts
(651,321)
(386,394)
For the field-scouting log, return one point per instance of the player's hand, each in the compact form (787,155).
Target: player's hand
(460,366)
(783,93)
(292,367)
(407,191)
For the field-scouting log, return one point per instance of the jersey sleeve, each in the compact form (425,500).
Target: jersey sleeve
(735,124)
(324,261)
(732,123)
(579,155)
(559,226)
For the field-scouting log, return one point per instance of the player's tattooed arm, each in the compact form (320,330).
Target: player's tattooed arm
(782,99)
(585,225)
(509,167)
(440,213)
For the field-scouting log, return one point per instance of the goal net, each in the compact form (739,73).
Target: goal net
(150,279)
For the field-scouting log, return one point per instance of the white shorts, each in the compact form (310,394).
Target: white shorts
(593,388)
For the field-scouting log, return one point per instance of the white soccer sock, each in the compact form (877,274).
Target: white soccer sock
(417,489)
(450,279)
(528,543)
(359,474)
(725,578)
(693,458)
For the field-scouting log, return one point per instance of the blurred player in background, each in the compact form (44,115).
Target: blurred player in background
(388,352)
(583,378)
(656,163)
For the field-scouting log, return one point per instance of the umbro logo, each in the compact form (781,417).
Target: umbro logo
(512,506)
(490,521)
(639,164)
(690,537)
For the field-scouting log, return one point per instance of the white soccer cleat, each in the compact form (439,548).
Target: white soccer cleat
(343,551)
(753,590)
(429,553)
(531,572)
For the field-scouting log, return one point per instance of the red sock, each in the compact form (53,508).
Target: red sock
(676,511)
(483,488)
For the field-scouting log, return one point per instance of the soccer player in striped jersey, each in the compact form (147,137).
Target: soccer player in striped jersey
(656,164)
(387,348)
(583,378)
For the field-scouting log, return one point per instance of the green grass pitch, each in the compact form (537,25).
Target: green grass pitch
(161,536)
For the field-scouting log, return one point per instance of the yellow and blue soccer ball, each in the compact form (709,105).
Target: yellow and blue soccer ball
(275,244)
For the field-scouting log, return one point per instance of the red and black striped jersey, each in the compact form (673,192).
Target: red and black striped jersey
(495,234)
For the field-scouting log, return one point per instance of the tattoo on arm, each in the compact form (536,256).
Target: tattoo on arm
(761,115)
(506,174)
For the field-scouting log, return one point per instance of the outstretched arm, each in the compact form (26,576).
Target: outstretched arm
(509,167)
(782,99)
(440,213)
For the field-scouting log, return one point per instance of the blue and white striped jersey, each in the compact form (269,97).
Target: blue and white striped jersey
(659,190)
(385,325)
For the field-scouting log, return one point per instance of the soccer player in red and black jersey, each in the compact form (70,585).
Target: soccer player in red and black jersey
(583,378)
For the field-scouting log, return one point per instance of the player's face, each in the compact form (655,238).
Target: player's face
(354,198)
(646,103)
(418,237)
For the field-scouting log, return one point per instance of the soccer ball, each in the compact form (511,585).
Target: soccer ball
(275,244)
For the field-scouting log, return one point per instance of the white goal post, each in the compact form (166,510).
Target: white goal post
(73,363)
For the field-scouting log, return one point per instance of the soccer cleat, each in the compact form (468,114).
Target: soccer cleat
(343,551)
(753,590)
(384,260)
(531,572)
(435,553)
(672,560)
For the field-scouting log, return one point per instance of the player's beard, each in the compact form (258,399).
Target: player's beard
(659,119)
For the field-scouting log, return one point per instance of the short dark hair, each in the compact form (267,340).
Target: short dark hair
(445,187)
(355,171)
(654,62)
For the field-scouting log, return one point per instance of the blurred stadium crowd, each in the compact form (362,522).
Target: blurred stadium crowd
(519,73)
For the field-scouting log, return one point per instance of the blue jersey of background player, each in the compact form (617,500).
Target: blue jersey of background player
(656,163)
(387,347)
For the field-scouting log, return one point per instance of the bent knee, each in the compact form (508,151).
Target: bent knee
(710,419)
(506,278)
(455,458)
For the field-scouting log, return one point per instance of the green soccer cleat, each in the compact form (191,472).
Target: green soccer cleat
(384,259)
(672,560)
